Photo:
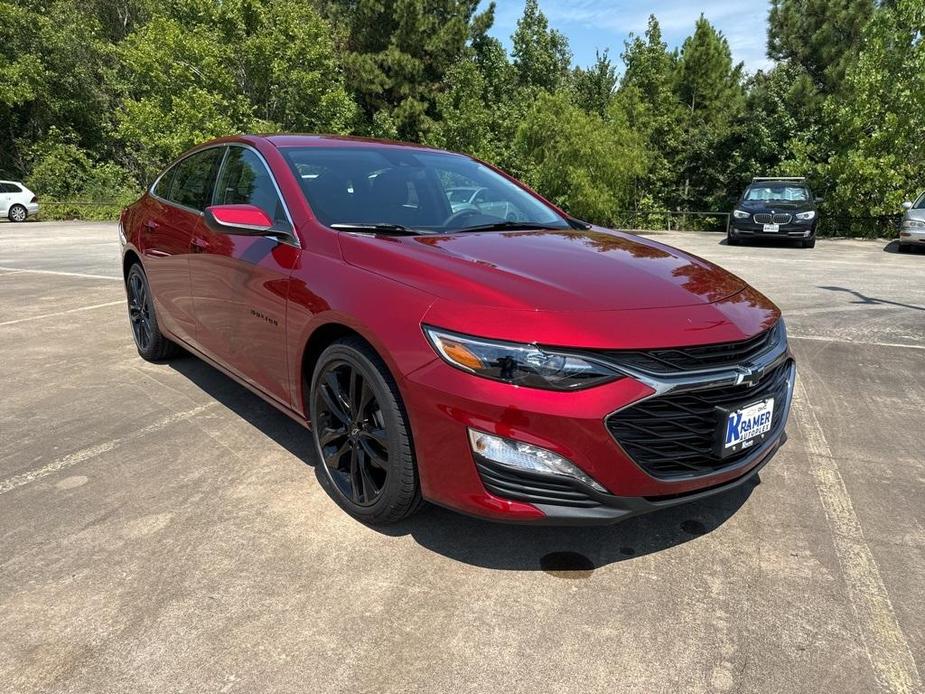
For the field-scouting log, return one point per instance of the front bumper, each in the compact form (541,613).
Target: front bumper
(794,230)
(443,403)
(912,236)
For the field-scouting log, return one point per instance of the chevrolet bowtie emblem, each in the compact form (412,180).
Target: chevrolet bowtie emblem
(748,375)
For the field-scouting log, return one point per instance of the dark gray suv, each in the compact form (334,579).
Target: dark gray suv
(779,208)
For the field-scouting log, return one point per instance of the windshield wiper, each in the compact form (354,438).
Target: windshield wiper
(397,229)
(510,226)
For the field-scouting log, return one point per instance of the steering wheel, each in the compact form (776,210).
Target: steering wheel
(462,214)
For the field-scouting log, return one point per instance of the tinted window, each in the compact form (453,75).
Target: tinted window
(10,188)
(245,181)
(162,188)
(416,188)
(194,177)
(778,192)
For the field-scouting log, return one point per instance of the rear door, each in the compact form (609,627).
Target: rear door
(172,216)
(240,283)
(5,193)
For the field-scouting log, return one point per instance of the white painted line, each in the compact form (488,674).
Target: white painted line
(886,645)
(12,270)
(61,313)
(823,338)
(100,448)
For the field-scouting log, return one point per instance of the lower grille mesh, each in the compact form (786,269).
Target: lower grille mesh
(672,436)
(510,483)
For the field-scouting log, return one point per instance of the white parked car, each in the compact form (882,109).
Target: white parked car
(17,203)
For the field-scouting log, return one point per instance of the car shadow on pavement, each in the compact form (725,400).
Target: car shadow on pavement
(893,247)
(572,552)
(529,547)
(283,430)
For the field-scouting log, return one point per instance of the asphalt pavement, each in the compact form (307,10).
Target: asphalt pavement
(164,530)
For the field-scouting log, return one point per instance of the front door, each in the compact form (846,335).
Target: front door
(174,214)
(240,283)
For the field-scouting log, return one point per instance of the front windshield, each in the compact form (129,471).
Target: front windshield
(418,189)
(920,205)
(778,192)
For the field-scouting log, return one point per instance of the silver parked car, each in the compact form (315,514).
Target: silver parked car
(912,231)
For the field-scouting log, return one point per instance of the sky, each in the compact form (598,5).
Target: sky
(600,24)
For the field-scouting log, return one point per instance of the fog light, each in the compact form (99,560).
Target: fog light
(524,456)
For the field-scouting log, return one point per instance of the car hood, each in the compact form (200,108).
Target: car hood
(557,270)
(768,205)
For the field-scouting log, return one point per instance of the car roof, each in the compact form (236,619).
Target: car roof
(19,183)
(301,140)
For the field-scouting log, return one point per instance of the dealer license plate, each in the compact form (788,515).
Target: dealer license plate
(771,228)
(745,427)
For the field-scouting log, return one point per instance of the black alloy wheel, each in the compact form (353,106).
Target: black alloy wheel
(352,434)
(361,434)
(152,345)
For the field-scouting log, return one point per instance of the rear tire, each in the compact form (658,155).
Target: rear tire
(362,435)
(18,213)
(149,340)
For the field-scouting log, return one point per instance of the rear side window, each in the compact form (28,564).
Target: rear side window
(194,178)
(10,188)
(245,181)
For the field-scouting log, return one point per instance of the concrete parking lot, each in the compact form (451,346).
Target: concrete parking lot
(163,530)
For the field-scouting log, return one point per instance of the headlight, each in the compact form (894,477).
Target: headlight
(526,457)
(913,224)
(740,214)
(518,364)
(806,215)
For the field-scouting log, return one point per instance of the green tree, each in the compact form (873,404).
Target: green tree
(578,160)
(709,87)
(879,152)
(594,87)
(647,98)
(398,54)
(819,36)
(541,55)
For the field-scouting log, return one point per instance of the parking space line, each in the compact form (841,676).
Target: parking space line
(886,645)
(61,313)
(14,270)
(93,451)
(824,338)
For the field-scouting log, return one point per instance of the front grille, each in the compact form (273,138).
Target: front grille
(779,218)
(672,436)
(511,483)
(717,356)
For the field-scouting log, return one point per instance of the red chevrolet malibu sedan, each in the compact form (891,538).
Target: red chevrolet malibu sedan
(488,353)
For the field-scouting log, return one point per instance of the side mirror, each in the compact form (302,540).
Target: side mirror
(246,220)
(907,205)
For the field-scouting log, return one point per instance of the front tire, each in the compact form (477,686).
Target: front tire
(731,240)
(809,243)
(149,340)
(362,435)
(18,213)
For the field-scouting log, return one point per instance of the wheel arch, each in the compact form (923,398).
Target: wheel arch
(319,339)
(129,258)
